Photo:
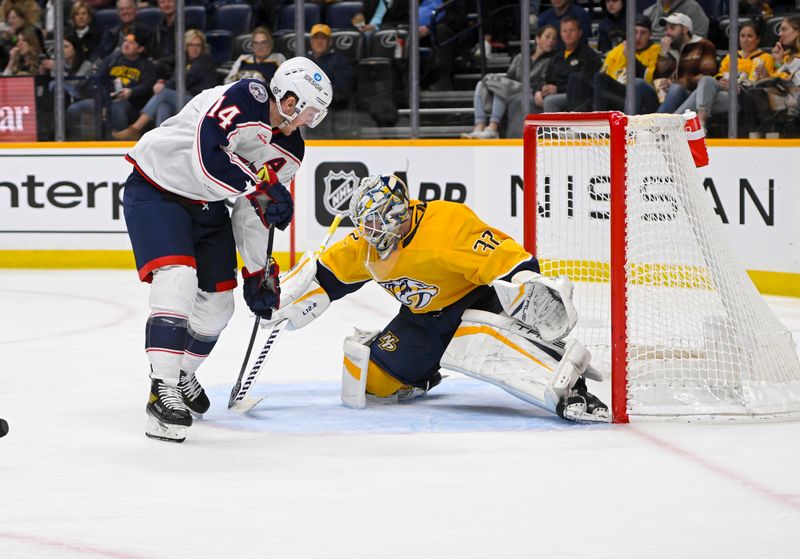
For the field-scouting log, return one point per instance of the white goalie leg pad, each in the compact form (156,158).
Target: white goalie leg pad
(541,302)
(297,280)
(354,368)
(493,348)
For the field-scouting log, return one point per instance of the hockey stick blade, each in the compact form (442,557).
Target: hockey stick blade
(239,400)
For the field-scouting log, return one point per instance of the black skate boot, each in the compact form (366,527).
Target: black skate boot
(582,406)
(167,415)
(193,394)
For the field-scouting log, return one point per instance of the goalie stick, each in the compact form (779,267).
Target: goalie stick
(239,400)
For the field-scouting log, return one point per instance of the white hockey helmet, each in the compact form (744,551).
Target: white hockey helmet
(308,82)
(378,208)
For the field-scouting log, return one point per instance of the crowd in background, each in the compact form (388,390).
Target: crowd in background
(119,58)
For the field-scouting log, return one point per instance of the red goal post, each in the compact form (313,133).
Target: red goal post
(615,203)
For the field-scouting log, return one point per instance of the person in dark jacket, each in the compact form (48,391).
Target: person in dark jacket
(611,29)
(161,48)
(342,76)
(128,25)
(381,14)
(573,57)
(201,73)
(82,28)
(566,8)
(130,75)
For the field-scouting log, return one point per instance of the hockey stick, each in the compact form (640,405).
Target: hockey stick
(237,388)
(239,400)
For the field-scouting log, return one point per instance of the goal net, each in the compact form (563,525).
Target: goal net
(665,307)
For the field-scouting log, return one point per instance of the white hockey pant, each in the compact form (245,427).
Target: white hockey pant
(499,350)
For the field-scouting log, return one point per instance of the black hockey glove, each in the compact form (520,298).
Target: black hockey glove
(271,200)
(262,290)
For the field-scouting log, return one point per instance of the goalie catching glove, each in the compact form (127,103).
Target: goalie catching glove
(262,291)
(271,200)
(540,302)
(303,299)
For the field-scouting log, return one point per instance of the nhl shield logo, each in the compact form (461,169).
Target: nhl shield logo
(339,187)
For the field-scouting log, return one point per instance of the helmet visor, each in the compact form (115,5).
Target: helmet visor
(310,116)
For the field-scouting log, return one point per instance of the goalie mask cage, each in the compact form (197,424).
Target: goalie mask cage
(615,203)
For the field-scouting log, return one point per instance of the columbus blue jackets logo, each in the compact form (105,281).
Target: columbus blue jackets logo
(339,187)
(258,91)
(410,292)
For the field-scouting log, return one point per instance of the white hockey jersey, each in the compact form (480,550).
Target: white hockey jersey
(212,149)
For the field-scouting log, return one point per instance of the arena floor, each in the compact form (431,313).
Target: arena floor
(469,472)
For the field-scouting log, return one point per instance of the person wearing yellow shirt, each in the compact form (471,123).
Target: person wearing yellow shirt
(711,95)
(609,84)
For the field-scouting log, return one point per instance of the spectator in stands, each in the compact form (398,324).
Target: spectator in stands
(381,14)
(75,66)
(333,63)
(786,52)
(133,76)
(162,40)
(23,59)
(495,91)
(683,60)
(83,29)
(711,95)
(261,64)
(19,20)
(29,10)
(201,74)
(611,29)
(128,25)
(606,92)
(562,9)
(445,25)
(100,4)
(573,57)
(755,9)
(663,8)
(266,13)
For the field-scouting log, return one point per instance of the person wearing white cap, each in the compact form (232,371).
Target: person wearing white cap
(683,60)
(690,8)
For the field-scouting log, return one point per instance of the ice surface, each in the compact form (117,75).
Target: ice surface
(470,472)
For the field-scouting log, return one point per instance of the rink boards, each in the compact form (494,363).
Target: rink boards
(61,206)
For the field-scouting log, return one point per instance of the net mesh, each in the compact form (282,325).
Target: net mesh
(701,340)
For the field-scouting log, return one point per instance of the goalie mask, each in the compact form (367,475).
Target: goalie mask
(309,83)
(378,208)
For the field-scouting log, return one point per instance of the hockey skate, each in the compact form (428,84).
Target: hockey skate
(412,392)
(167,415)
(193,394)
(582,406)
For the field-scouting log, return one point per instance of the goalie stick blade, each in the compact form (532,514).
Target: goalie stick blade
(247,403)
(245,382)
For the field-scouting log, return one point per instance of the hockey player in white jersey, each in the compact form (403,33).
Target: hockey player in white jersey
(239,141)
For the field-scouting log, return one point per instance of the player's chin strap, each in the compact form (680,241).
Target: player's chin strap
(502,351)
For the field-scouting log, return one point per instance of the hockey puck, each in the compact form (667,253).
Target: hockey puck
(3,428)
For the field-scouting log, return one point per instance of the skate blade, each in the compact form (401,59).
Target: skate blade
(155,429)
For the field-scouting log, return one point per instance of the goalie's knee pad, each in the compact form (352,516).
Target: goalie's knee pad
(361,376)
(211,312)
(500,350)
(173,290)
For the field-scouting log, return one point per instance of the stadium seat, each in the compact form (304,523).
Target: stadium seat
(106,19)
(339,15)
(195,17)
(149,17)
(350,44)
(220,43)
(234,18)
(770,37)
(710,7)
(725,26)
(286,19)
(242,44)
(382,44)
(285,44)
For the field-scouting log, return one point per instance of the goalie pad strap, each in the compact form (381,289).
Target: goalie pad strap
(492,348)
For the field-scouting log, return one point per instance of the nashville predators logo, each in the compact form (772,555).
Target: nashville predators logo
(410,292)
(388,342)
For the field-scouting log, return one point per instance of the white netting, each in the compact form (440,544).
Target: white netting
(701,340)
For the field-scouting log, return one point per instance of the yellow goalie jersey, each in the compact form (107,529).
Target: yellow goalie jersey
(447,253)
